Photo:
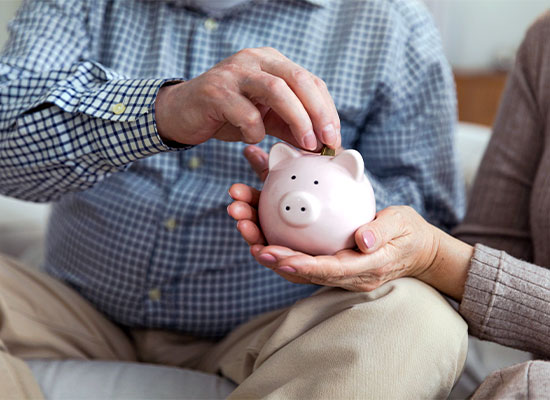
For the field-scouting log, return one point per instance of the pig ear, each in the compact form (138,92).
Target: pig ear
(281,152)
(353,162)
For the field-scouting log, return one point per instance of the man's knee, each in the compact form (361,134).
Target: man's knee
(402,340)
(410,331)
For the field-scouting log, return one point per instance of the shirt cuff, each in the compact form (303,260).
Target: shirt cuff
(122,119)
(129,106)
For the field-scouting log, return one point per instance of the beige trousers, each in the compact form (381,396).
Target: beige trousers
(400,341)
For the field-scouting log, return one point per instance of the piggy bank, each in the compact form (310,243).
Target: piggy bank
(314,203)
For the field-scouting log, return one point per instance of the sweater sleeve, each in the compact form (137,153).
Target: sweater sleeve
(499,210)
(507,301)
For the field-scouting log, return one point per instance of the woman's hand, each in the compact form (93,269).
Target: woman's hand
(397,243)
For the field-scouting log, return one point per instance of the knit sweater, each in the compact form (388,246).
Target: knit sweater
(507,292)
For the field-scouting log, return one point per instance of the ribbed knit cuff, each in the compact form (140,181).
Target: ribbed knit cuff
(480,287)
(506,300)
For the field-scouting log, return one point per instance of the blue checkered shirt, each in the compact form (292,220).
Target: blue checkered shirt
(140,228)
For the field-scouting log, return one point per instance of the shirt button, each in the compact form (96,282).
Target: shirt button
(170,224)
(194,163)
(211,24)
(119,108)
(154,294)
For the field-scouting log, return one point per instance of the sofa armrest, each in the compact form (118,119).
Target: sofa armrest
(22,228)
(471,141)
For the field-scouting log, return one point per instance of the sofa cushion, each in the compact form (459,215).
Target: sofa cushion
(76,380)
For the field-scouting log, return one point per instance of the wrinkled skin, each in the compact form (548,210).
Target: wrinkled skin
(246,95)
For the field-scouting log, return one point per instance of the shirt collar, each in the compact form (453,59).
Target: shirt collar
(320,3)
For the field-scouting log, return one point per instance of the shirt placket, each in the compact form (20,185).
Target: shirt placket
(161,288)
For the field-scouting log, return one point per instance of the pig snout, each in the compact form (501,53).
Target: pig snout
(299,208)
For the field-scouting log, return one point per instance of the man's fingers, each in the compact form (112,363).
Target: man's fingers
(258,160)
(242,192)
(273,91)
(329,101)
(313,94)
(241,113)
(276,126)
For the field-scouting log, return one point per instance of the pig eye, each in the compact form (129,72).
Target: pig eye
(316,182)
(293,177)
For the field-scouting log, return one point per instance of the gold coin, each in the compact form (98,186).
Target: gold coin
(328,152)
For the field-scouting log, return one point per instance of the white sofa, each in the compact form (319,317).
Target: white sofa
(22,228)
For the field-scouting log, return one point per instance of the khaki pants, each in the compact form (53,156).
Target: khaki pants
(400,341)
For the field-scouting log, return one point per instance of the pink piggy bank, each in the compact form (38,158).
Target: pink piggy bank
(314,203)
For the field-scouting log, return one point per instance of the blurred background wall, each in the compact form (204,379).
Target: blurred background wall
(483,34)
(7,11)
(480,38)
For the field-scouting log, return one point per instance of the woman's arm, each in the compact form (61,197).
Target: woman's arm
(499,211)
(507,300)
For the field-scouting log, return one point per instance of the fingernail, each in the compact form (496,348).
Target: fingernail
(310,142)
(368,239)
(329,134)
(267,258)
(287,269)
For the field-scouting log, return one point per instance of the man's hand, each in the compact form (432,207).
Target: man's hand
(245,96)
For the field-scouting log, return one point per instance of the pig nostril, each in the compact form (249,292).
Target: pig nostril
(316,182)
(303,209)
(293,177)
(287,208)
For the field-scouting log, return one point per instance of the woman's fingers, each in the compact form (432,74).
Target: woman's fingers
(268,260)
(243,210)
(258,160)
(347,267)
(239,210)
(245,193)
(250,232)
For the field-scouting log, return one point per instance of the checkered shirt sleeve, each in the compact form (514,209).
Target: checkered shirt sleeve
(66,122)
